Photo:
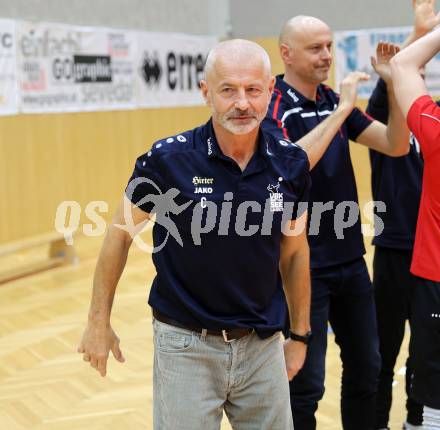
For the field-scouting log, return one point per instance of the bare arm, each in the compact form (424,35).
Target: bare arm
(99,338)
(295,272)
(392,139)
(316,142)
(425,20)
(407,81)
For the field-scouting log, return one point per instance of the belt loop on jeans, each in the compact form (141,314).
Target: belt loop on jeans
(203,334)
(225,337)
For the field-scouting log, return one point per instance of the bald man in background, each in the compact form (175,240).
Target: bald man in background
(305,111)
(217,320)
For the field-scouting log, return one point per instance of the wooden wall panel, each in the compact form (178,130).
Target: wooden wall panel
(46,159)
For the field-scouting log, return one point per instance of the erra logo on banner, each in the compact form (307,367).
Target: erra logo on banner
(151,69)
(183,71)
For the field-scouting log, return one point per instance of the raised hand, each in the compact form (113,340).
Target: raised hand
(425,18)
(348,89)
(381,63)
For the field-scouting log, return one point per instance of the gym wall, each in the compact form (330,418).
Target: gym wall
(51,158)
(260,18)
(47,159)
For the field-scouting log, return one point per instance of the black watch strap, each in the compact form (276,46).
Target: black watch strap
(306,338)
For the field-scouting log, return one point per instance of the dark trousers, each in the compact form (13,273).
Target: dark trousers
(393,287)
(343,295)
(425,343)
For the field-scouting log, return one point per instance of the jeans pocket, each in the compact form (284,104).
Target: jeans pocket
(174,342)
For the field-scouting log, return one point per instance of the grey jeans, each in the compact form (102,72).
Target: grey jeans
(197,377)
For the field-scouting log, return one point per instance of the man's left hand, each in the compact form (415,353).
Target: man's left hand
(295,355)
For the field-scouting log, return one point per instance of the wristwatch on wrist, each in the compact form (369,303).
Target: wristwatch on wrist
(304,338)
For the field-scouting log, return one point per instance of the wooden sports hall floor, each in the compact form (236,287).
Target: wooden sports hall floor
(44,384)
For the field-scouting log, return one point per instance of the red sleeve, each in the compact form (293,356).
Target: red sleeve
(424,121)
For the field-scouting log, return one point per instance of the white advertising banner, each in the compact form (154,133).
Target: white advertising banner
(9,94)
(66,68)
(353,50)
(170,66)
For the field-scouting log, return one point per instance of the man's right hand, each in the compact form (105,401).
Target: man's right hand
(348,90)
(97,342)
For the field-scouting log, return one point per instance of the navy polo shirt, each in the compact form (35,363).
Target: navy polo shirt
(227,276)
(397,181)
(333,182)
